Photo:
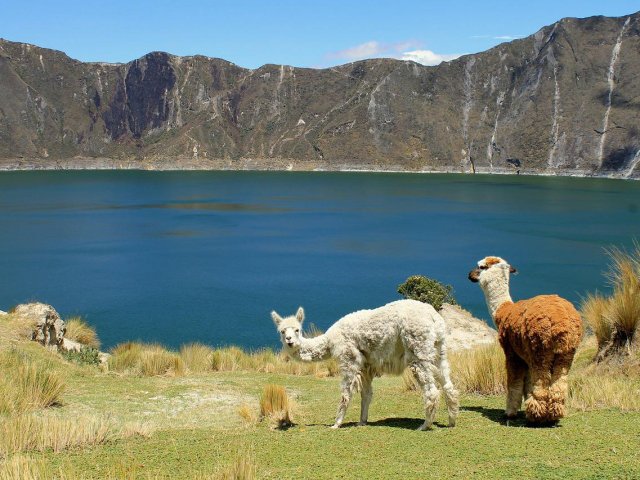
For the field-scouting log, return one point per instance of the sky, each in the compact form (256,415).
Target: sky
(302,33)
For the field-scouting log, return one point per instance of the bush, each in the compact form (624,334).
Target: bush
(427,290)
(85,356)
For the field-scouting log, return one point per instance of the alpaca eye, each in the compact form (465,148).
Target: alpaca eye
(281,332)
(483,267)
(297,330)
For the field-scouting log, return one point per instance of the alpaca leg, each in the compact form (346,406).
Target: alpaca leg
(537,403)
(351,382)
(443,375)
(516,373)
(366,393)
(425,378)
(559,386)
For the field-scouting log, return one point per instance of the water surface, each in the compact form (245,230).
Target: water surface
(176,257)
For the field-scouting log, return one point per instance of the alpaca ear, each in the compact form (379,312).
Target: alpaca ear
(300,315)
(277,319)
(513,270)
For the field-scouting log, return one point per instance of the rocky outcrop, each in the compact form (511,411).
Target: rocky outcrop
(464,331)
(47,328)
(562,101)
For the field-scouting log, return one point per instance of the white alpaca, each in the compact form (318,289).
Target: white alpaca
(369,343)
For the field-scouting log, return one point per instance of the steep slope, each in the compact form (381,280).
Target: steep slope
(564,101)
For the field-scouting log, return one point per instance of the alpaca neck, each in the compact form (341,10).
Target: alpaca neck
(496,293)
(314,349)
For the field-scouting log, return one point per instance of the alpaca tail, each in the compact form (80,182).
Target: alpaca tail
(450,393)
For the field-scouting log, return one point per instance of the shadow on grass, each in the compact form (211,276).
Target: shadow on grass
(405,423)
(497,415)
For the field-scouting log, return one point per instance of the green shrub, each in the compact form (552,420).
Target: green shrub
(85,356)
(427,290)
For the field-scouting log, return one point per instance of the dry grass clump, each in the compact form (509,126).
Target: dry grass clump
(248,414)
(20,467)
(480,370)
(616,320)
(606,385)
(78,330)
(197,357)
(24,433)
(29,385)
(276,405)
(230,359)
(243,467)
(145,359)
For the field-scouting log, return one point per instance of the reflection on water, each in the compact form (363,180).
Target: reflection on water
(184,256)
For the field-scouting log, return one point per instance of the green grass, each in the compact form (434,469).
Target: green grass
(600,443)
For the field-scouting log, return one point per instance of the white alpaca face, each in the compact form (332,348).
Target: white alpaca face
(290,329)
(490,267)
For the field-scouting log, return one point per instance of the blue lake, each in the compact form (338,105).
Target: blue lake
(176,257)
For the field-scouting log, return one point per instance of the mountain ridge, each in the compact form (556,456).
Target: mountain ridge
(560,101)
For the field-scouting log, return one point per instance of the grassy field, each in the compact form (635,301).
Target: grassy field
(190,426)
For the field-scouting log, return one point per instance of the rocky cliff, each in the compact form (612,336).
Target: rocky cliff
(563,101)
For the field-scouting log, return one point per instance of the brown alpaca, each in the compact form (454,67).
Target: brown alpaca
(539,337)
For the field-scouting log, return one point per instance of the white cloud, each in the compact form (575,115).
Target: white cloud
(507,37)
(364,50)
(400,50)
(498,37)
(427,57)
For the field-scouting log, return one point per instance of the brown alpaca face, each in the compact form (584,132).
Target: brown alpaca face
(487,263)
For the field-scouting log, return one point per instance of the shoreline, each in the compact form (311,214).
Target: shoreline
(277,165)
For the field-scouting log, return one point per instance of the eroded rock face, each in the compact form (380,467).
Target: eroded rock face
(47,326)
(564,100)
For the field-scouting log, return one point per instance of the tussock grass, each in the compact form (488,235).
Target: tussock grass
(276,405)
(594,311)
(156,360)
(145,359)
(615,320)
(20,467)
(23,433)
(243,467)
(480,370)
(78,330)
(197,357)
(30,385)
(230,359)
(248,414)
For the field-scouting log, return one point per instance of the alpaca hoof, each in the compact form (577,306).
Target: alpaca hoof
(335,426)
(424,426)
(362,424)
(452,422)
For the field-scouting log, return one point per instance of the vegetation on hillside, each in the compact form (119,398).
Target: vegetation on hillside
(427,290)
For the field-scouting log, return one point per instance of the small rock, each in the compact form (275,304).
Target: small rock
(71,346)
(2,313)
(47,326)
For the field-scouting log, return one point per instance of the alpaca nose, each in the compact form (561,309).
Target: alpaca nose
(288,338)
